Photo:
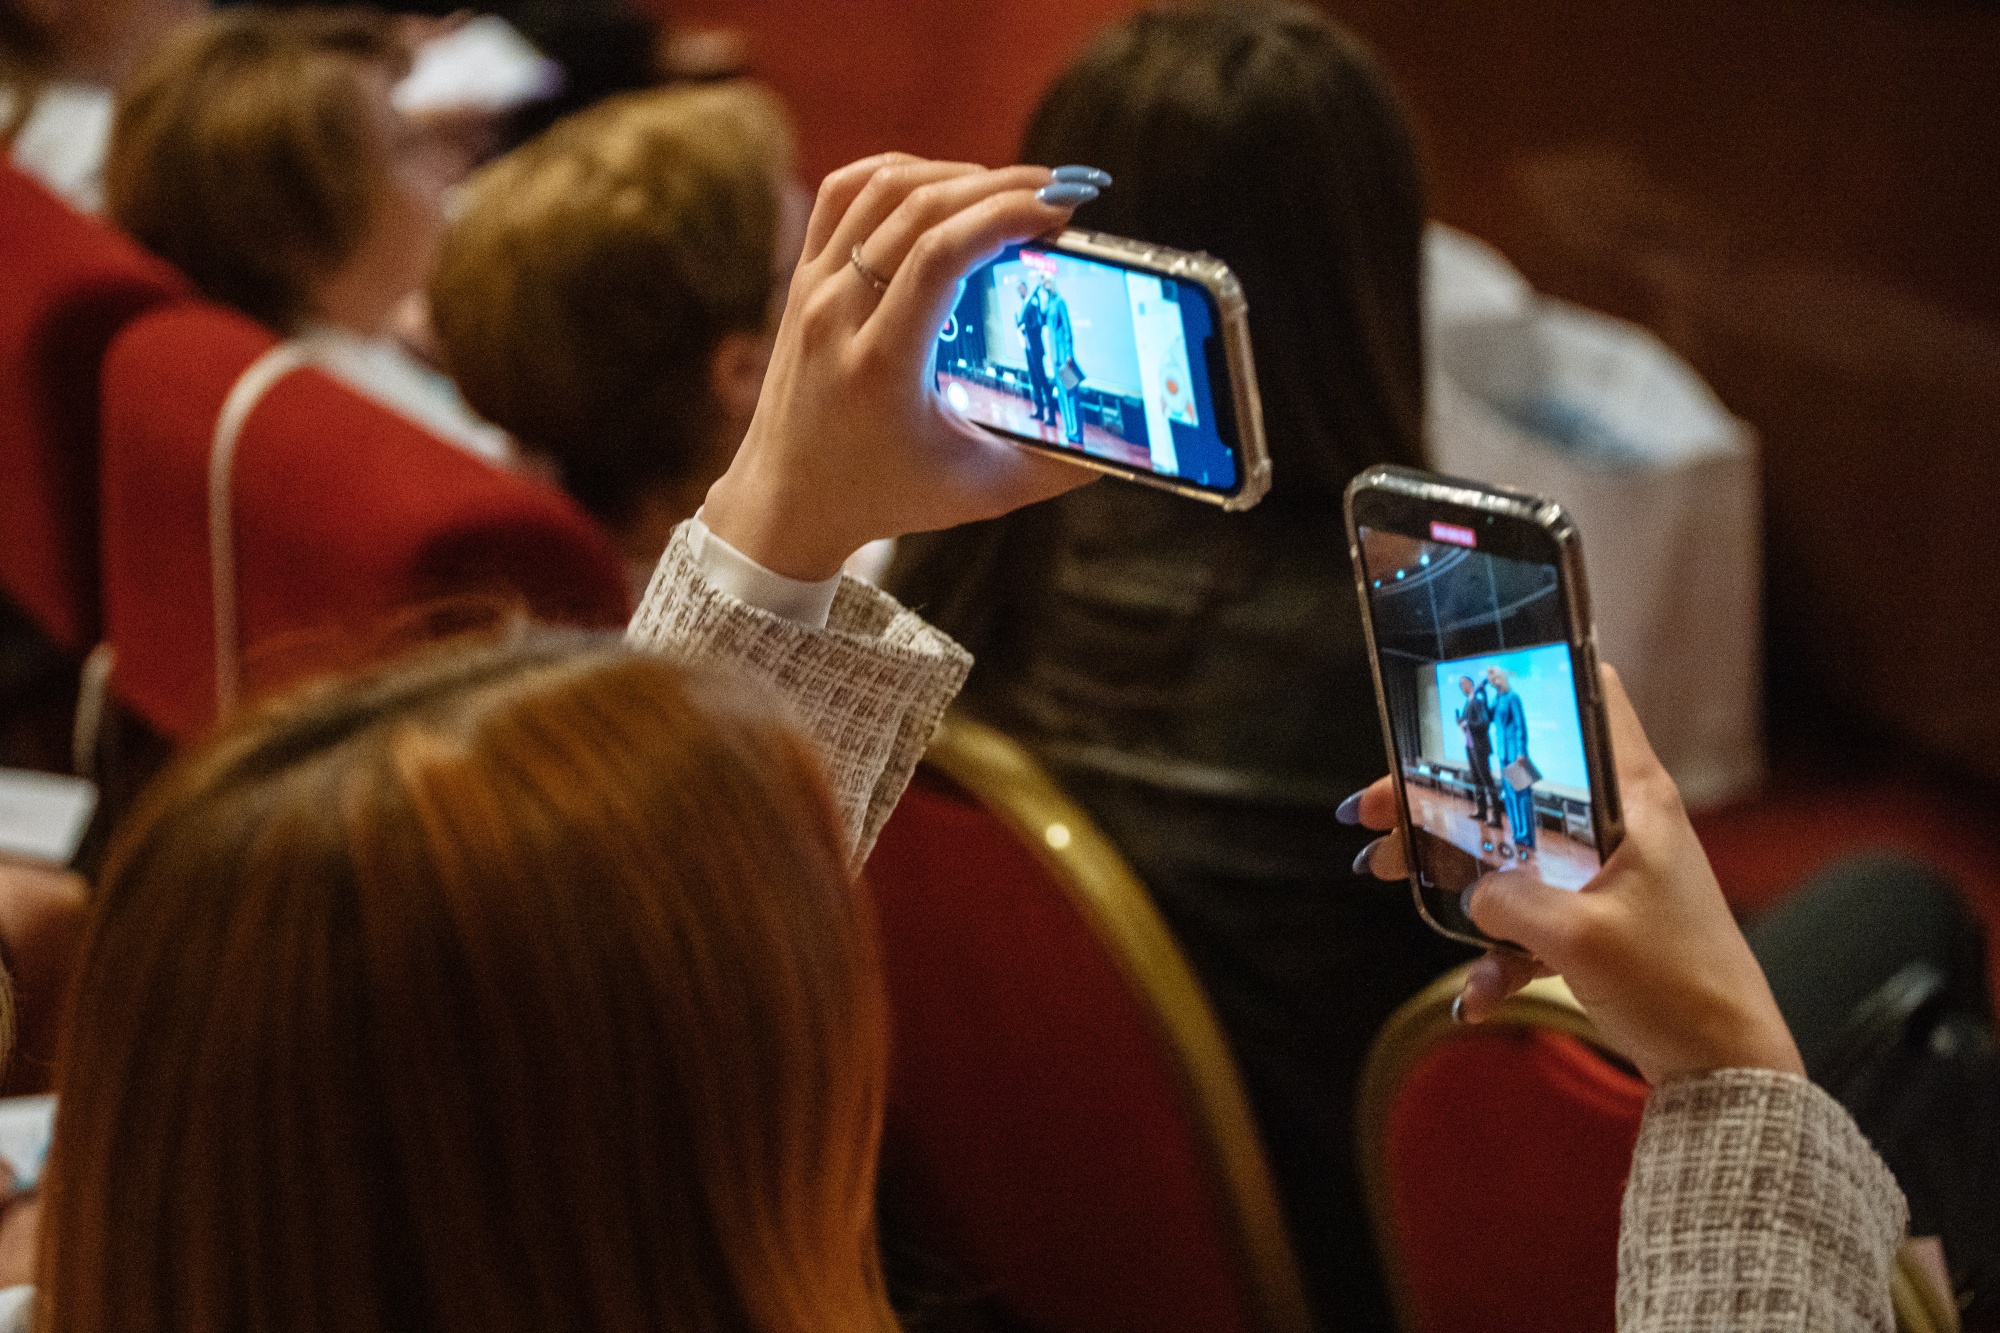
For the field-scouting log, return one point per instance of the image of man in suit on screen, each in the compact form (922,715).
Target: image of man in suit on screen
(1510,727)
(1063,368)
(1476,722)
(1031,321)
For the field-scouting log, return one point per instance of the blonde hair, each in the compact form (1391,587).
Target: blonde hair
(581,296)
(244,151)
(516,987)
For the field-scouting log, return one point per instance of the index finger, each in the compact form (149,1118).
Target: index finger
(836,193)
(1378,804)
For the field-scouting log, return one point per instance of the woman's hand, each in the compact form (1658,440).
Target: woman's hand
(848,443)
(1648,946)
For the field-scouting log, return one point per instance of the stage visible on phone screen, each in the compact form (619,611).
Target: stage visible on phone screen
(1479,678)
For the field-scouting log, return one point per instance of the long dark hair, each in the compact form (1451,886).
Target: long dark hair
(1265,134)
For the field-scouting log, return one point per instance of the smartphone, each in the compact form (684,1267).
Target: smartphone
(1478,624)
(1125,357)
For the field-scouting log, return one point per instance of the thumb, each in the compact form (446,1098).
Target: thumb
(1516,906)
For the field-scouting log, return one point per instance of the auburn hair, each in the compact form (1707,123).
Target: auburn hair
(581,295)
(246,151)
(518,987)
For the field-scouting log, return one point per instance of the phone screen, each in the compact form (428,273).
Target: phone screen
(1480,677)
(1094,357)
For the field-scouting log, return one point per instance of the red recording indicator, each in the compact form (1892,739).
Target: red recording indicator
(1451,532)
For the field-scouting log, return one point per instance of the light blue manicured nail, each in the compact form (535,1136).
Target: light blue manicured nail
(1066,194)
(1083,176)
(1457,1014)
(1465,901)
(1349,810)
(1361,857)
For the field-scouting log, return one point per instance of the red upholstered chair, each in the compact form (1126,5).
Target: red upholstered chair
(343,514)
(1066,1129)
(1495,1160)
(70,283)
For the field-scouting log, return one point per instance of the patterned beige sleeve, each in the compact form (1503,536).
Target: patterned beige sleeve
(869,689)
(1755,1205)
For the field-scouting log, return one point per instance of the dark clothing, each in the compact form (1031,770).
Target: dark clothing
(1474,721)
(1199,682)
(1031,323)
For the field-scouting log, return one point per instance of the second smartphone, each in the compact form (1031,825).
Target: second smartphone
(1129,358)
(1478,623)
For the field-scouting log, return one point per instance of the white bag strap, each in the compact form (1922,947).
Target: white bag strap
(256,380)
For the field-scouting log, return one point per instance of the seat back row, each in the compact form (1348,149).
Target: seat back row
(112,377)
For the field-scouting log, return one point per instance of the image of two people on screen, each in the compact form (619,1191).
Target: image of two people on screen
(1053,373)
(1492,721)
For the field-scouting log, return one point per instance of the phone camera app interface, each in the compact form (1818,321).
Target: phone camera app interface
(1088,356)
(1482,709)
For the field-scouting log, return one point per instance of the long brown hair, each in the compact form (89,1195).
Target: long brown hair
(521,987)
(245,152)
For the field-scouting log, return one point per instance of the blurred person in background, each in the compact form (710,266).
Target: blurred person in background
(604,47)
(61,64)
(260,152)
(610,292)
(1199,680)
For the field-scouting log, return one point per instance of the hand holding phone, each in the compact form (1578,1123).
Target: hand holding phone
(847,444)
(1648,946)
(1129,358)
(1478,625)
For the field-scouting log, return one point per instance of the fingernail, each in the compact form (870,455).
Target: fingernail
(1465,901)
(1456,1015)
(1066,194)
(1349,810)
(1361,858)
(1083,176)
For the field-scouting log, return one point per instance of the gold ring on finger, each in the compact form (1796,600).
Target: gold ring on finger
(869,275)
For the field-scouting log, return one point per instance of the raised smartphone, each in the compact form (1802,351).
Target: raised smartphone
(1125,357)
(1478,622)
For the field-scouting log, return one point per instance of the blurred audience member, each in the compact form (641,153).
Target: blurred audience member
(604,47)
(610,294)
(260,152)
(1199,680)
(60,64)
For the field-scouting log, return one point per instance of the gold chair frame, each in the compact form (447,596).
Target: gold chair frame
(1425,1020)
(1008,782)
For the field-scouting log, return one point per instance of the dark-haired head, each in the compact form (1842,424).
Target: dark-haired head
(1265,135)
(521,986)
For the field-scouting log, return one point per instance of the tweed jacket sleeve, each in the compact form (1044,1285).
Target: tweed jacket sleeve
(868,690)
(1755,1205)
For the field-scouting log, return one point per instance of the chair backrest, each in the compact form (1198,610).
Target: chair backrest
(1066,1128)
(70,283)
(1524,1108)
(343,514)
(1530,1113)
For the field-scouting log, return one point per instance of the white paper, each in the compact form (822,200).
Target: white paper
(483,64)
(43,815)
(26,1125)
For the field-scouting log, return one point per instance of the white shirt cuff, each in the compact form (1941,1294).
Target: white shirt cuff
(729,570)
